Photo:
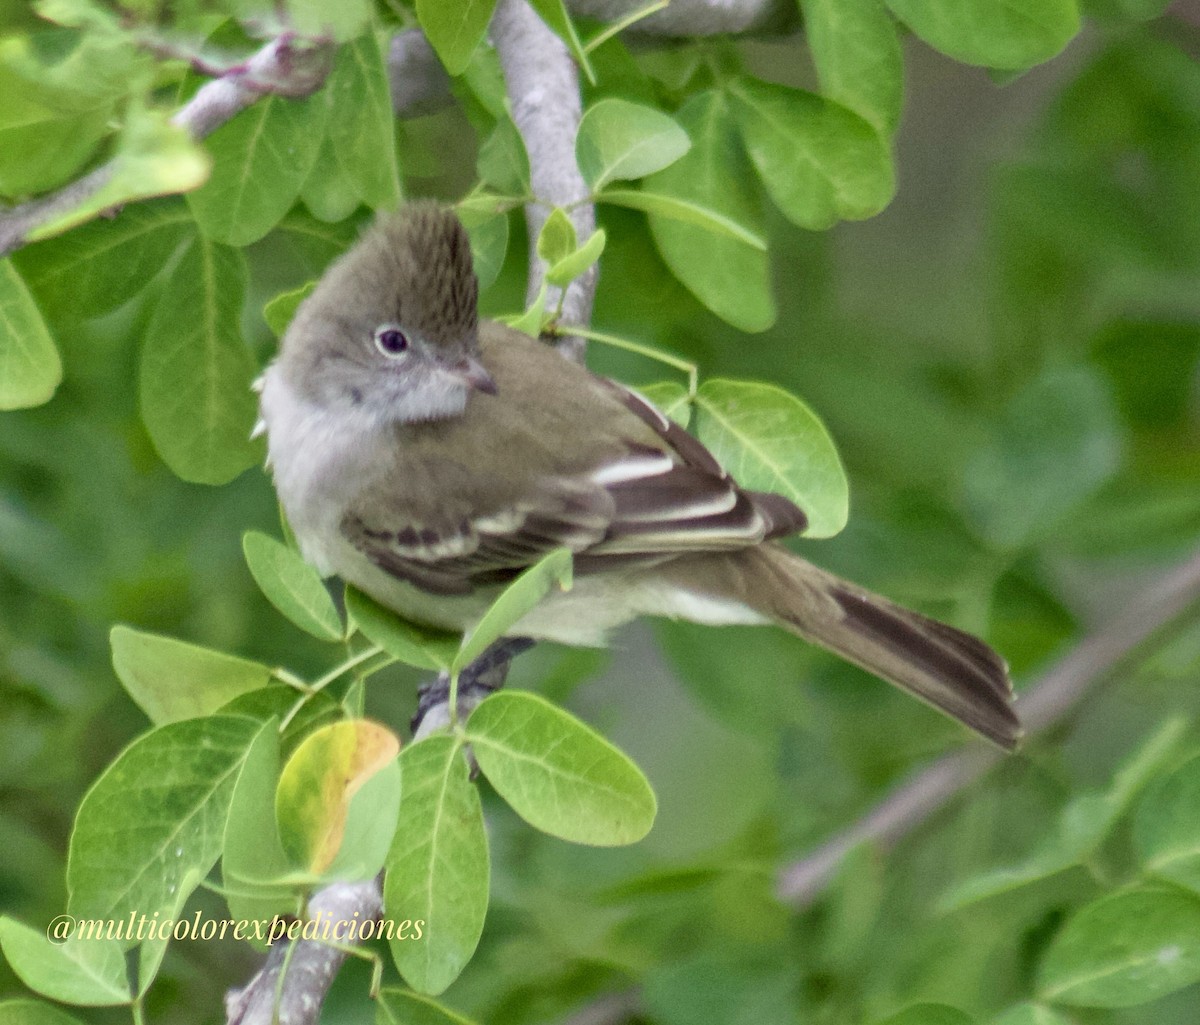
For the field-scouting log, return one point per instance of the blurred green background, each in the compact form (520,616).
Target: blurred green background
(1008,360)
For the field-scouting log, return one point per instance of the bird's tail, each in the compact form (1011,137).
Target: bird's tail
(951,670)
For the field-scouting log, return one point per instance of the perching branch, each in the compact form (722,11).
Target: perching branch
(309,970)
(543,87)
(1043,706)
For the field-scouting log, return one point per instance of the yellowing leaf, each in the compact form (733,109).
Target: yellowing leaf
(318,783)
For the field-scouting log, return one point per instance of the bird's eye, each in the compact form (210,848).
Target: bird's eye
(391,341)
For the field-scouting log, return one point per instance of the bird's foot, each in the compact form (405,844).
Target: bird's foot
(483,676)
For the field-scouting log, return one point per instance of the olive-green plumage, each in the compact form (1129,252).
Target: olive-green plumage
(427,458)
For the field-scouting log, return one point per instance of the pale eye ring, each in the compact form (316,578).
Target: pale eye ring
(391,341)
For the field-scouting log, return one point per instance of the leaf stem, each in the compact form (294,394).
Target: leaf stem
(339,670)
(308,690)
(605,34)
(678,362)
(291,679)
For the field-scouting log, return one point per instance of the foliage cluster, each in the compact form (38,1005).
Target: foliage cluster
(1019,417)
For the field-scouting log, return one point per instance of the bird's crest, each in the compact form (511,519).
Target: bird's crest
(424,254)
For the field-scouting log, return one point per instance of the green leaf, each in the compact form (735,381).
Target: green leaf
(310,244)
(172,680)
(489,243)
(400,1007)
(1125,10)
(153,158)
(86,971)
(30,369)
(292,586)
(559,774)
(280,701)
(59,92)
(515,601)
(534,319)
(413,644)
(1083,825)
(105,263)
(323,775)
(557,238)
(154,821)
(992,33)
(503,163)
(1125,949)
(455,28)
(261,158)
(685,211)
(196,370)
(370,827)
(729,275)
(253,861)
(319,18)
(1057,441)
(326,192)
(726,985)
(857,53)
(1166,828)
(619,140)
(23,1011)
(47,132)
(769,440)
(437,871)
(278,313)
(555,14)
(819,161)
(1030,1014)
(929,1014)
(670,398)
(361,127)
(573,264)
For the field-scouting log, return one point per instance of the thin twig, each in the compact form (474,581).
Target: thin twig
(1044,705)
(282,66)
(537,68)
(543,87)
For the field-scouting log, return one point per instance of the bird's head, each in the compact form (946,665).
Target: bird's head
(392,329)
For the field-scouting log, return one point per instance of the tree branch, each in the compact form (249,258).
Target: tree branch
(281,66)
(1043,706)
(543,87)
(536,66)
(420,85)
(309,970)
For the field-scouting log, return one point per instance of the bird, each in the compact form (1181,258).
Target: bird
(427,457)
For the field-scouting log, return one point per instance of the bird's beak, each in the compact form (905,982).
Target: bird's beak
(473,372)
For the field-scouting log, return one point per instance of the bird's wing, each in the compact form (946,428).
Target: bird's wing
(639,504)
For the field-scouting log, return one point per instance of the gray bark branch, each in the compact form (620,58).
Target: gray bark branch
(543,87)
(419,85)
(301,980)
